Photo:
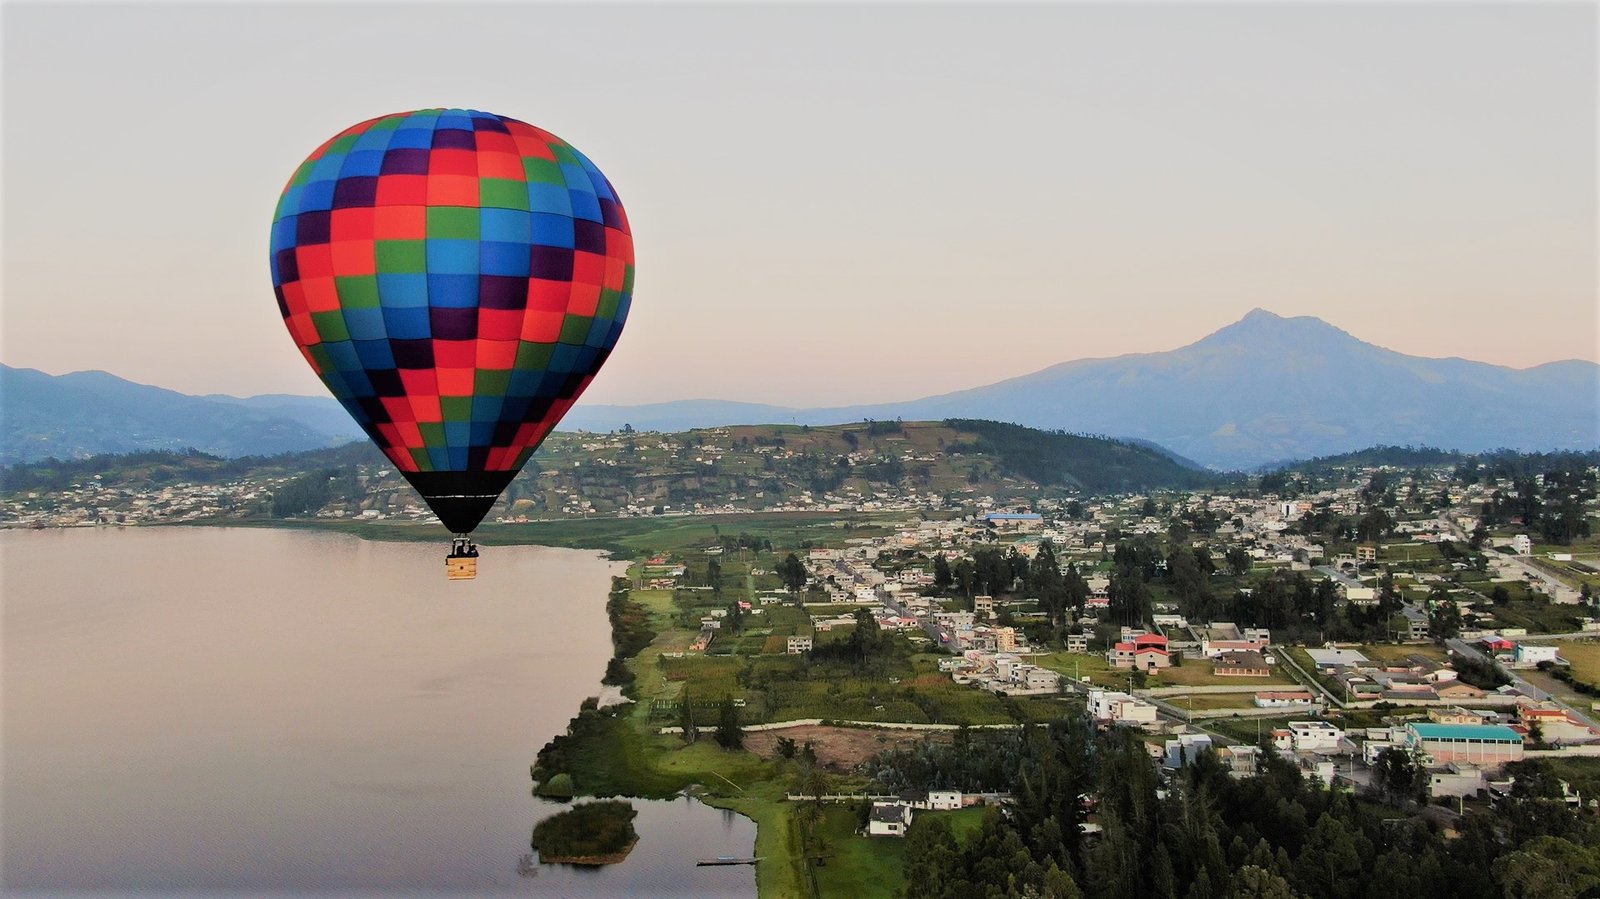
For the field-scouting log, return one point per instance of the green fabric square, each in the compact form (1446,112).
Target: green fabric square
(420,456)
(627,279)
(330,326)
(456,408)
(388,124)
(452,223)
(502,193)
(609,300)
(402,257)
(564,153)
(542,171)
(343,144)
(490,382)
(534,356)
(575,330)
(432,434)
(324,361)
(303,173)
(358,291)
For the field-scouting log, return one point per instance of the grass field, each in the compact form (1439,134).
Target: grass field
(874,867)
(1585,658)
(1207,701)
(1200,673)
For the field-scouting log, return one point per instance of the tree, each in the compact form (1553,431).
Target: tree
(729,734)
(1400,775)
(686,718)
(793,572)
(942,578)
(787,747)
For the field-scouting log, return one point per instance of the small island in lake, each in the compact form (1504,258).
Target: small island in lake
(594,833)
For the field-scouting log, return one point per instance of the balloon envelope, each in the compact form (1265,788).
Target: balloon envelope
(456,278)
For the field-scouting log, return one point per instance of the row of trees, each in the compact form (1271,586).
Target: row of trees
(1208,835)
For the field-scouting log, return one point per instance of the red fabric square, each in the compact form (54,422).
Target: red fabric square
(403,190)
(495,142)
(354,257)
(453,190)
(321,295)
(501,165)
(499,354)
(533,146)
(455,354)
(427,409)
(548,296)
(400,222)
(540,326)
(499,324)
(354,223)
(588,268)
(456,381)
(618,244)
(616,273)
(419,382)
(409,431)
(294,298)
(585,299)
(453,162)
(398,407)
(314,260)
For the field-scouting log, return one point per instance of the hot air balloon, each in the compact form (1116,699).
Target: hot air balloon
(456,278)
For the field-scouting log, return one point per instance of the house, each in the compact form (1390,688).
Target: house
(1455,779)
(797,645)
(1522,545)
(1145,652)
(1332,657)
(1184,749)
(1529,655)
(1366,553)
(1556,726)
(1278,699)
(1315,736)
(1106,706)
(983,605)
(1457,690)
(1242,664)
(931,800)
(889,819)
(1241,761)
(1077,643)
(1490,745)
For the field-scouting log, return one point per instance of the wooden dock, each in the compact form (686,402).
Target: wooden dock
(725,860)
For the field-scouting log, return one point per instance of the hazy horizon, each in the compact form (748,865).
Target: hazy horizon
(837,204)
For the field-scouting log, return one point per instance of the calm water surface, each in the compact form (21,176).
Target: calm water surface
(208,709)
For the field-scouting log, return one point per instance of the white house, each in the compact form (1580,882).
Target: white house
(798,645)
(1184,749)
(1522,545)
(1315,736)
(1528,655)
(889,819)
(1120,708)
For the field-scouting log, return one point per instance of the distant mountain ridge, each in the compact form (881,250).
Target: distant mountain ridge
(87,413)
(1262,390)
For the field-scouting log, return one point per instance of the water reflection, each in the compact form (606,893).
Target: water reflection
(206,709)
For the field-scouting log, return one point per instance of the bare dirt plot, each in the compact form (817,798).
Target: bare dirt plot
(839,749)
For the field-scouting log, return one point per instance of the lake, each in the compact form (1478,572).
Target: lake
(216,709)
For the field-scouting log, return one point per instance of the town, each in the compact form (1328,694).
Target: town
(1408,627)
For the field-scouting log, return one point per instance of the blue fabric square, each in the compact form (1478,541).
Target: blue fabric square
(407,137)
(549,198)
(366,325)
(403,291)
(362,162)
(585,206)
(407,323)
(316,196)
(552,230)
(374,354)
(450,291)
(505,225)
(495,258)
(452,257)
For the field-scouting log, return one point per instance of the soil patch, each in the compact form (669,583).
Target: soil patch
(840,749)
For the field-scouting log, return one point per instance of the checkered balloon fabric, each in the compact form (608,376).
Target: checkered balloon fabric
(456,278)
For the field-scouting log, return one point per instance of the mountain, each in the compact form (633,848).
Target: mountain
(1264,389)
(91,412)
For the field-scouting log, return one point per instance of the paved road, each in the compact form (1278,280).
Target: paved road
(1517,681)
(1559,590)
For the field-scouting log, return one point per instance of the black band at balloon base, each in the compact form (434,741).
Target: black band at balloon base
(460,498)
